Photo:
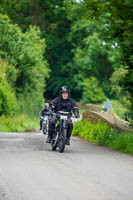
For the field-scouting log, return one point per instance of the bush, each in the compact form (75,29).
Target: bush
(25,51)
(30,104)
(99,133)
(78,128)
(92,93)
(18,124)
(96,133)
(8,103)
(28,67)
(129,117)
(119,108)
(123,143)
(102,134)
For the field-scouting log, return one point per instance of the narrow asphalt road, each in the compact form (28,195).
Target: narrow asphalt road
(30,170)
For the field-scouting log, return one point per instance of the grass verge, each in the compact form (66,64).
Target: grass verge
(102,134)
(19,123)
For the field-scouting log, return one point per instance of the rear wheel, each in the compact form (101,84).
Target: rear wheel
(44,131)
(62,141)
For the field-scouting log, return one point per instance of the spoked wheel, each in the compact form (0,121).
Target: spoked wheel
(44,132)
(54,143)
(62,141)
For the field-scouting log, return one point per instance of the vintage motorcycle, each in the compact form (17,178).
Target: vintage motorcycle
(45,124)
(60,132)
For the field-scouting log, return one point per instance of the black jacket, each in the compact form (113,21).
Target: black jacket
(66,105)
(44,112)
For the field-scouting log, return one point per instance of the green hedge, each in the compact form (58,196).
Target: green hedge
(102,134)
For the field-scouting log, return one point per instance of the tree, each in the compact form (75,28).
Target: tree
(95,52)
(51,17)
(83,38)
(92,93)
(24,51)
(121,30)
(8,102)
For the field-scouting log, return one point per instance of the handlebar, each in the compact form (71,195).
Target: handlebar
(63,112)
(69,114)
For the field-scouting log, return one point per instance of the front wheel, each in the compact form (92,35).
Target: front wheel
(62,141)
(54,145)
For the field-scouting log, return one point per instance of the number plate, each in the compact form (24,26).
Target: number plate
(63,117)
(45,119)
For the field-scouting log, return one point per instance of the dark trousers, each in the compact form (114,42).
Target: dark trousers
(41,120)
(52,123)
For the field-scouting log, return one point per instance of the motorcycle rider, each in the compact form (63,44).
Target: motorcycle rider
(66,104)
(45,111)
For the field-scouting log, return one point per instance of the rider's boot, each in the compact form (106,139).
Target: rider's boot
(68,141)
(50,134)
(40,125)
(49,139)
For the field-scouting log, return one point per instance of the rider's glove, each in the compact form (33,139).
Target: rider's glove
(76,114)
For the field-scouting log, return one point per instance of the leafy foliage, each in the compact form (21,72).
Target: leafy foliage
(25,52)
(19,123)
(83,39)
(116,78)
(8,103)
(95,53)
(95,133)
(28,69)
(119,108)
(75,47)
(101,134)
(129,117)
(121,30)
(92,93)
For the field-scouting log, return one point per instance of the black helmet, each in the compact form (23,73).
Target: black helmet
(64,89)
